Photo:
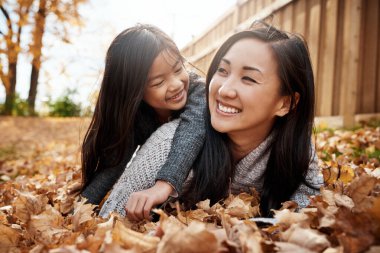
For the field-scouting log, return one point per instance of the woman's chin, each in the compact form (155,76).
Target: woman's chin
(220,127)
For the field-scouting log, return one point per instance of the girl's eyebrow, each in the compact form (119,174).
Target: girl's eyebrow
(159,75)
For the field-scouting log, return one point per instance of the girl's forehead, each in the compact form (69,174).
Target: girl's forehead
(170,57)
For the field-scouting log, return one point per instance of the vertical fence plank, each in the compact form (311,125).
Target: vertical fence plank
(338,60)
(327,58)
(313,36)
(378,65)
(299,17)
(288,18)
(368,82)
(351,50)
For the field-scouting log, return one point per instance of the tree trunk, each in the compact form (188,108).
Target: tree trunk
(11,92)
(33,89)
(36,49)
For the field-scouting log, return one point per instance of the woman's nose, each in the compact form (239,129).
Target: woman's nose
(227,90)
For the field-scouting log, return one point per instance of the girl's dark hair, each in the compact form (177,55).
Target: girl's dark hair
(291,147)
(114,131)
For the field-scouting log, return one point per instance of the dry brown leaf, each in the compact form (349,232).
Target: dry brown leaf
(194,238)
(9,238)
(83,214)
(285,247)
(27,204)
(130,239)
(240,207)
(288,218)
(47,227)
(306,238)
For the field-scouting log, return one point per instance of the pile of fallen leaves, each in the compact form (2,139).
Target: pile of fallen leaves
(41,212)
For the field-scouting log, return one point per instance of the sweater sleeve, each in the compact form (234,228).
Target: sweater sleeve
(141,171)
(189,137)
(314,178)
(102,182)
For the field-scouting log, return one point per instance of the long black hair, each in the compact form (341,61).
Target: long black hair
(114,131)
(290,150)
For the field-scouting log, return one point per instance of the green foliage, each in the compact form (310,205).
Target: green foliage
(65,106)
(20,107)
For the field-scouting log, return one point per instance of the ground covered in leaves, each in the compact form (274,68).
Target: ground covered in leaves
(40,210)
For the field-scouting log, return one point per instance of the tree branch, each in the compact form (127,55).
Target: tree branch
(5,13)
(7,17)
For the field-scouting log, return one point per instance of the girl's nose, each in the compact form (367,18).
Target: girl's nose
(175,84)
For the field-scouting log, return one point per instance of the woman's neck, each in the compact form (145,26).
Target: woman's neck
(243,144)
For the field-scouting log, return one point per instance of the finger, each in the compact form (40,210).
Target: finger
(147,208)
(139,210)
(131,208)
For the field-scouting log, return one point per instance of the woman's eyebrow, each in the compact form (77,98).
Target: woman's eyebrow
(252,68)
(226,61)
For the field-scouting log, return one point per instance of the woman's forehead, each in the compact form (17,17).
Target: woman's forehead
(251,52)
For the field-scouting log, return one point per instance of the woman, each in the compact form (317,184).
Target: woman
(260,90)
(145,85)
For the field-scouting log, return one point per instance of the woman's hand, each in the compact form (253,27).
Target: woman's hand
(141,203)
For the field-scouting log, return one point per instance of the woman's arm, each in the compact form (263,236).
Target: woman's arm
(188,138)
(141,172)
(314,178)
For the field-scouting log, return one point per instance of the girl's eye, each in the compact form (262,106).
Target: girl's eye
(158,84)
(178,70)
(247,78)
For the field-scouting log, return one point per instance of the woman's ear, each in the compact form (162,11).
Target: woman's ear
(285,106)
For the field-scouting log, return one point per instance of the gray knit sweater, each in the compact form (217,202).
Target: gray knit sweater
(153,154)
(187,142)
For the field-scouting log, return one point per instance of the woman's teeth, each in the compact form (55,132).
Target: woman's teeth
(227,109)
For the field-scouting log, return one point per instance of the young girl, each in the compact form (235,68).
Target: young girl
(145,85)
(259,121)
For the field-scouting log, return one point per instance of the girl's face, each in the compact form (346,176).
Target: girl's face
(167,87)
(244,92)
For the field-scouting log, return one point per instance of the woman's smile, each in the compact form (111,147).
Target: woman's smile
(226,110)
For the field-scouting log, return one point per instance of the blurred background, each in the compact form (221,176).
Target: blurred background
(52,51)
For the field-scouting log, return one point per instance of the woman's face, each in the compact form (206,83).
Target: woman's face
(168,83)
(244,93)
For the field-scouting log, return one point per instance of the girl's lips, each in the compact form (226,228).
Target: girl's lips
(178,97)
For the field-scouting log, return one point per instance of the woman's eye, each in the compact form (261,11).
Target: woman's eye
(222,70)
(247,78)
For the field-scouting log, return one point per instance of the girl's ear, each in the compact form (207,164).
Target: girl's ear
(285,107)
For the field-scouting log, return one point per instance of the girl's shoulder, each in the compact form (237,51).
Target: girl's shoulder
(195,79)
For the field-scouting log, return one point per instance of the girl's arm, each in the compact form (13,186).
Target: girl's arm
(188,138)
(102,182)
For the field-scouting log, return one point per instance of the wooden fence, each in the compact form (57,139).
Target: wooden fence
(344,43)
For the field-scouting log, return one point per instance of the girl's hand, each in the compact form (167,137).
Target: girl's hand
(141,203)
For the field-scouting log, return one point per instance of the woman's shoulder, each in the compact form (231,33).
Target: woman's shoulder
(164,132)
